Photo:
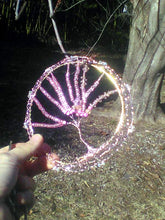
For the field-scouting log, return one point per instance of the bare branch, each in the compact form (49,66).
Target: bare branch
(105,25)
(17,12)
(67,9)
(55,28)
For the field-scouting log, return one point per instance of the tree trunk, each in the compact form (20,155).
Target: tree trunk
(145,62)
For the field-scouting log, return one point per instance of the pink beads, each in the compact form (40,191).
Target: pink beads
(66,93)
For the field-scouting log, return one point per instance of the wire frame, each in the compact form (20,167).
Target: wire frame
(66,93)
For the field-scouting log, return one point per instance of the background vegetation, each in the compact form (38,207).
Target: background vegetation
(80,22)
(131,184)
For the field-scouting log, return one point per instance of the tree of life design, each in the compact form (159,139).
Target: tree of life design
(66,93)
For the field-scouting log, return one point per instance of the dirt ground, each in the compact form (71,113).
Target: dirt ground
(129,186)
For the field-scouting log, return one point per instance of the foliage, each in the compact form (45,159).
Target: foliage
(33,21)
(76,19)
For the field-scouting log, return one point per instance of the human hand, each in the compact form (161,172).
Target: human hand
(16,172)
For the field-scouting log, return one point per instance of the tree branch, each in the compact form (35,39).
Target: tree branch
(105,25)
(55,28)
(67,9)
(17,12)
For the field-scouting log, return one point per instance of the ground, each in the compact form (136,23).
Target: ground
(130,186)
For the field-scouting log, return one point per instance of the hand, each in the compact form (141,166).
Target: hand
(16,172)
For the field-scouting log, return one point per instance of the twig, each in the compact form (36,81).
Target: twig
(55,28)
(17,12)
(101,6)
(67,9)
(105,25)
(57,5)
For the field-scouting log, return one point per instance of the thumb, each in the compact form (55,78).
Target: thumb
(24,151)
(11,160)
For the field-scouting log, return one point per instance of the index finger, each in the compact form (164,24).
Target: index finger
(24,151)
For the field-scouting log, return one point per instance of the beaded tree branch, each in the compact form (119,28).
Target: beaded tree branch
(65,94)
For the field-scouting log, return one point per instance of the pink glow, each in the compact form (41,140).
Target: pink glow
(71,98)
